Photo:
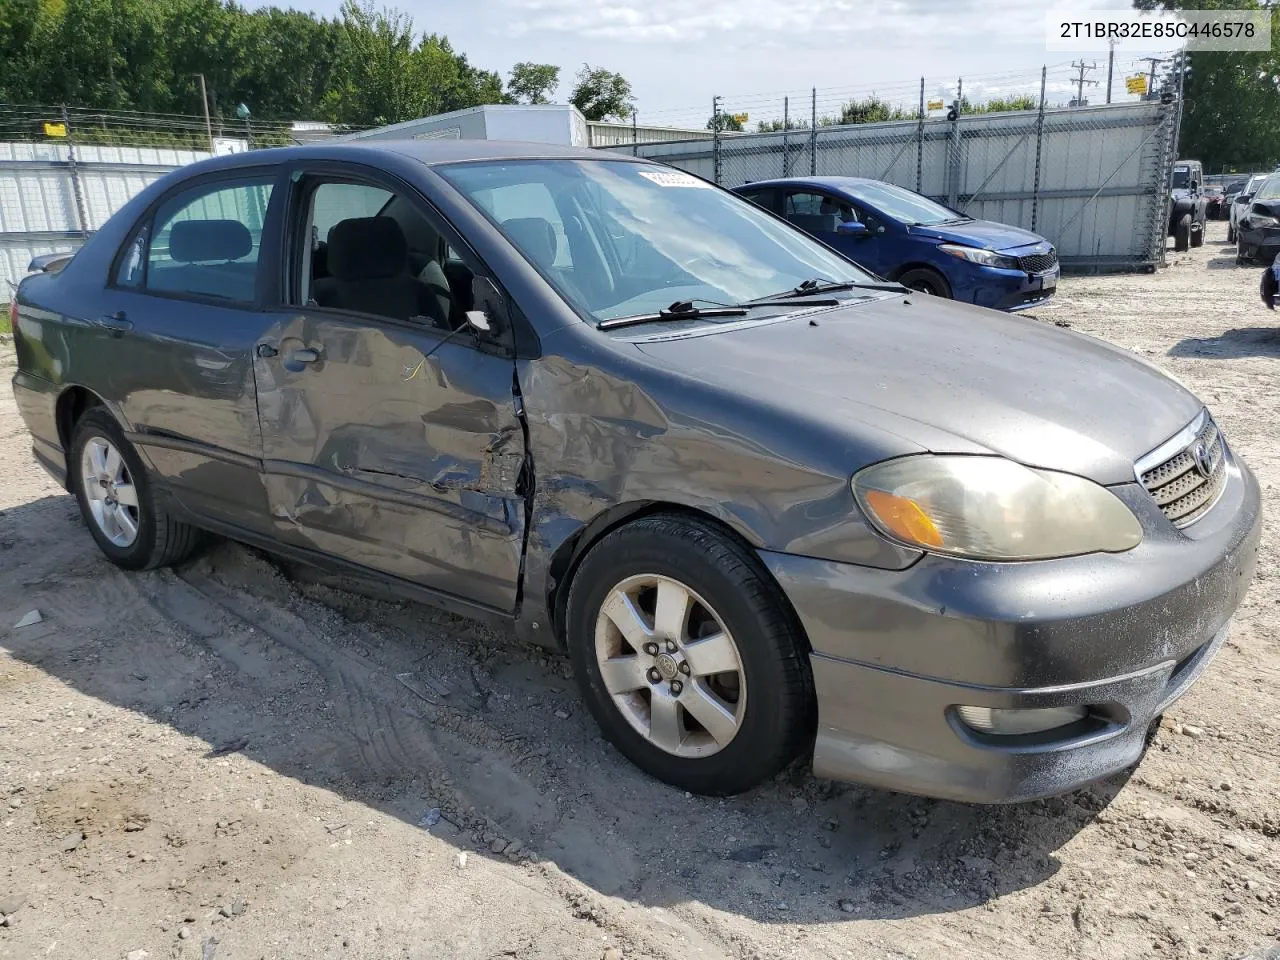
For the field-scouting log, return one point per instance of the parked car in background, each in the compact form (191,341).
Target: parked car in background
(1240,200)
(1189,207)
(900,235)
(1213,196)
(1258,230)
(767,503)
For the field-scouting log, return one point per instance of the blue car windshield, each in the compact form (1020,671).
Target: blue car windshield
(904,205)
(619,239)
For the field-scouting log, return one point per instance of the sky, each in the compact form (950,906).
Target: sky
(678,54)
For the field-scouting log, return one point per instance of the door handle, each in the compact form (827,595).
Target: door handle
(266,351)
(305,355)
(117,322)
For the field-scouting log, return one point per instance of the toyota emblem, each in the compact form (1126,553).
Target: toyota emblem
(1203,457)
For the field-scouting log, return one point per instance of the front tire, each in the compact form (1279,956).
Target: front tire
(1182,234)
(924,280)
(689,656)
(116,500)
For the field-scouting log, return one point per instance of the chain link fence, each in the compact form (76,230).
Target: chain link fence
(1094,180)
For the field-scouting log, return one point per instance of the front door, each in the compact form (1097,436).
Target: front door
(820,214)
(186,302)
(384,443)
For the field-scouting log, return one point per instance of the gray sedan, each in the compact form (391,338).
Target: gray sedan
(768,503)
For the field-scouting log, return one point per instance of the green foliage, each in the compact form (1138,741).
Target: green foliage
(600,94)
(777,125)
(1231,109)
(725,122)
(533,82)
(365,67)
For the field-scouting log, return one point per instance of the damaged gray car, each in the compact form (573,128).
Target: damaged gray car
(771,505)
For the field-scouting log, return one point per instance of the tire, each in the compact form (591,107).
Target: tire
(155,539)
(1182,234)
(764,702)
(924,280)
(1231,234)
(1197,233)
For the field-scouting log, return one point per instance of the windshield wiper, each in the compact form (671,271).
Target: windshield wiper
(813,286)
(680,310)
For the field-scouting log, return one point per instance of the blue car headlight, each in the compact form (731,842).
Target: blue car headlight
(986,258)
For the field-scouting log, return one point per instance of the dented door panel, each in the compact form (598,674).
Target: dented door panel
(396,461)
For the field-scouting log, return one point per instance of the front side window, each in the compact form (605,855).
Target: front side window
(905,205)
(638,237)
(206,242)
(371,251)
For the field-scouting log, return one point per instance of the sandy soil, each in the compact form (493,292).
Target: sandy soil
(222,762)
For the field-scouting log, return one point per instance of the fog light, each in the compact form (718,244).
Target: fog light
(1008,723)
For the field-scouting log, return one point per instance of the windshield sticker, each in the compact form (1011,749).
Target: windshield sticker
(673,178)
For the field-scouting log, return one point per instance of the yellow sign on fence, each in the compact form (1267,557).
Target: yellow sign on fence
(1136,84)
(55,129)
(739,118)
(936,104)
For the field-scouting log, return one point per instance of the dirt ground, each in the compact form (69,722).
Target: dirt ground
(222,762)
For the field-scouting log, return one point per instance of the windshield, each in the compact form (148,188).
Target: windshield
(904,205)
(1181,177)
(619,239)
(1254,184)
(1270,188)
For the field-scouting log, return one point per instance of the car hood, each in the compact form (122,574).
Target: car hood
(985,234)
(947,377)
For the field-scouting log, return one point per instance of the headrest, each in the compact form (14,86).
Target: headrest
(194,241)
(535,236)
(367,248)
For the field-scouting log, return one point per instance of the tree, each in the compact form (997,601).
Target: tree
(533,82)
(600,94)
(777,125)
(724,122)
(1230,99)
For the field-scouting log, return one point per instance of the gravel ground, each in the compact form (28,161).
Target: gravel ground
(223,762)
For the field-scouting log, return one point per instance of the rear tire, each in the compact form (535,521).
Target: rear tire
(669,583)
(1197,233)
(1182,234)
(924,280)
(116,500)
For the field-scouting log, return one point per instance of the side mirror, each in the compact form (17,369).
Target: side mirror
(488,312)
(853,228)
(1244,198)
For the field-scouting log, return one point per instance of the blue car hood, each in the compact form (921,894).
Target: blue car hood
(984,234)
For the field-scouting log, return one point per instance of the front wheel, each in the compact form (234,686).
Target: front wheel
(689,656)
(924,280)
(111,484)
(1182,234)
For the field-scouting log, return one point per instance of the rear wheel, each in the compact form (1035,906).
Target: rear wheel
(1182,234)
(689,656)
(924,280)
(110,482)
(1197,233)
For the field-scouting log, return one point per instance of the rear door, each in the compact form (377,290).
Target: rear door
(390,432)
(182,316)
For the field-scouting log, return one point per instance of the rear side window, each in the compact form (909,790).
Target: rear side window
(205,242)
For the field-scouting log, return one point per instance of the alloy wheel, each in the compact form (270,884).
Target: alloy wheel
(671,666)
(110,491)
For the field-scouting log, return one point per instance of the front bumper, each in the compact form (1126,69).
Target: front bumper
(1260,244)
(894,652)
(1012,290)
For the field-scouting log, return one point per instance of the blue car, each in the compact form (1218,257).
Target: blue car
(924,245)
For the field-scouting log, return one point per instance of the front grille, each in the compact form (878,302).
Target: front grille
(1189,482)
(1038,262)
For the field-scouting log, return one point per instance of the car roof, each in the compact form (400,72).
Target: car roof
(831,183)
(429,152)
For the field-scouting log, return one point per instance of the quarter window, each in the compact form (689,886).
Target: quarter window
(206,242)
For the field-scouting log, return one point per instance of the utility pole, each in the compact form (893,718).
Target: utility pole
(1151,83)
(1111,68)
(716,162)
(204,102)
(1080,81)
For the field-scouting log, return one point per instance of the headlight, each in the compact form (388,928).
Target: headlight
(989,508)
(1257,222)
(987,258)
